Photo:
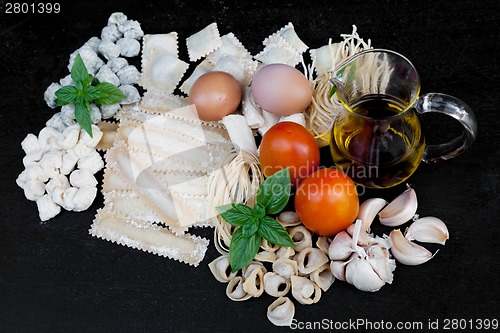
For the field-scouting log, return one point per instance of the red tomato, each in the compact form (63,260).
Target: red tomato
(327,201)
(289,144)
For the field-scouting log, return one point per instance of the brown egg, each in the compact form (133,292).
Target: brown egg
(215,94)
(281,89)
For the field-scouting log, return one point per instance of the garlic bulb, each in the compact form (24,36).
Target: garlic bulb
(361,259)
(400,210)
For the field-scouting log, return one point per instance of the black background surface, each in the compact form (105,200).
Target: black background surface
(55,277)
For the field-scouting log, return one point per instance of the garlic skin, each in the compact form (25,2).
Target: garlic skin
(407,252)
(400,210)
(369,209)
(428,230)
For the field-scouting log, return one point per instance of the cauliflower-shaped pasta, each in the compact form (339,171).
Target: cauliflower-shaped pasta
(81,178)
(30,144)
(84,197)
(129,74)
(92,162)
(47,209)
(51,162)
(105,74)
(69,161)
(129,47)
(116,64)
(34,189)
(50,95)
(110,33)
(109,50)
(60,181)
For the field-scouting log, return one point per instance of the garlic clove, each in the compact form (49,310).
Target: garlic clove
(400,210)
(338,269)
(381,264)
(407,252)
(340,247)
(360,273)
(429,230)
(369,209)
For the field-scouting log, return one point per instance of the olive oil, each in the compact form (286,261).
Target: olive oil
(379,142)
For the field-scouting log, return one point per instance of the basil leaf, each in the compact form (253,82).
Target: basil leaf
(332,92)
(109,94)
(235,214)
(242,250)
(91,94)
(259,211)
(274,192)
(82,115)
(250,227)
(87,81)
(78,71)
(66,95)
(274,232)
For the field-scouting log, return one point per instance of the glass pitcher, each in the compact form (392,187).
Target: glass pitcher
(378,140)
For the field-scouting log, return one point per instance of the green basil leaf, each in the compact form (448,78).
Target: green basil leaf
(274,192)
(82,115)
(332,92)
(274,232)
(242,250)
(235,214)
(259,211)
(78,71)
(250,227)
(87,81)
(110,94)
(66,95)
(91,93)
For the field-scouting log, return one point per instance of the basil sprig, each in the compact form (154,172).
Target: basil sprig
(86,90)
(253,224)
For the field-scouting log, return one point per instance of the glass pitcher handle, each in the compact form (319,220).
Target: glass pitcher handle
(457,109)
